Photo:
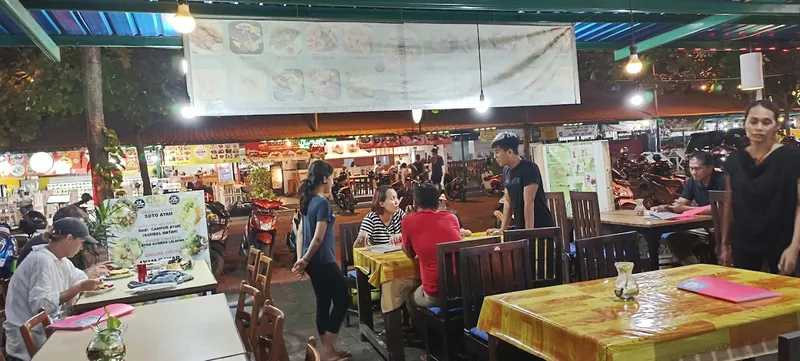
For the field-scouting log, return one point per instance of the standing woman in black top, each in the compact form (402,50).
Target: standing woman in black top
(761,209)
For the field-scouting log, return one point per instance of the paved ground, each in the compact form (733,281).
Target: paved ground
(296,298)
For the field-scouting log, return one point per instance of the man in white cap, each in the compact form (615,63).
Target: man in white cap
(47,280)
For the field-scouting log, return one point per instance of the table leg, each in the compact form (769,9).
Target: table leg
(364,302)
(394,334)
(653,238)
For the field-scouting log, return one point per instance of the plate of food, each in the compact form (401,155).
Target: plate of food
(117,274)
(105,287)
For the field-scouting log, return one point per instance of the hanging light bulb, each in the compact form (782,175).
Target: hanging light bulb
(416,114)
(183,21)
(483,104)
(634,65)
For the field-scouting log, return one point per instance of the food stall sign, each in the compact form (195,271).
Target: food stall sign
(150,228)
(201,154)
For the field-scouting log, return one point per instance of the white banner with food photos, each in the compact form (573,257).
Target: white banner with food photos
(150,228)
(245,67)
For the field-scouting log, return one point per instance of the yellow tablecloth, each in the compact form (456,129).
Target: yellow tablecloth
(585,321)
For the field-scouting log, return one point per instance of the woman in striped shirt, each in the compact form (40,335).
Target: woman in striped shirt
(382,224)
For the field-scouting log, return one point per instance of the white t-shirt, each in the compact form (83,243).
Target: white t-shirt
(37,284)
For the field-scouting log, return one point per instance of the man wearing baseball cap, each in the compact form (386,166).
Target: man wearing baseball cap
(47,280)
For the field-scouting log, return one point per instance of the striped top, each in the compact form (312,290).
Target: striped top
(379,232)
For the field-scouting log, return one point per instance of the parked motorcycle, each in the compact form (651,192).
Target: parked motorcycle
(454,188)
(343,196)
(218,220)
(262,227)
(492,184)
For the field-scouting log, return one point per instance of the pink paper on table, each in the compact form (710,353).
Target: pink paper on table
(88,319)
(693,212)
(725,290)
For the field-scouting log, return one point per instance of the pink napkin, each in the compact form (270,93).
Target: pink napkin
(88,319)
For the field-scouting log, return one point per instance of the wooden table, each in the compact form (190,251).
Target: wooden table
(203,282)
(652,229)
(196,329)
(585,321)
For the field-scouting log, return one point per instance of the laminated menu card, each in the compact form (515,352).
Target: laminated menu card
(725,290)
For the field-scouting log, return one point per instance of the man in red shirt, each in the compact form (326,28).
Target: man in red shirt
(422,231)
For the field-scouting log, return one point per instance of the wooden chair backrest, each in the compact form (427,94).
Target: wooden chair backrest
(558,208)
(41,319)
(586,214)
(789,346)
(264,276)
(492,269)
(348,232)
(717,199)
(269,338)
(247,333)
(253,257)
(546,254)
(597,255)
(449,284)
(311,350)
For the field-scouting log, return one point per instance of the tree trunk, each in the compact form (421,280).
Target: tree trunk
(95,121)
(147,189)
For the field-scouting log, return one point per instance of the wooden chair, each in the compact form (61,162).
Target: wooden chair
(253,256)
(717,199)
(446,319)
(545,254)
(789,346)
(586,214)
(263,277)
(311,350)
(485,271)
(597,255)
(348,232)
(246,323)
(558,207)
(269,344)
(41,319)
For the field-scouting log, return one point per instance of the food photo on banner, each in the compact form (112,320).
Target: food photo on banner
(151,228)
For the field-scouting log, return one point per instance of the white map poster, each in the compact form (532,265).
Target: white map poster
(153,227)
(245,67)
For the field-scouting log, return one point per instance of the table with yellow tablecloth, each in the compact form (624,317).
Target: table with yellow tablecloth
(585,321)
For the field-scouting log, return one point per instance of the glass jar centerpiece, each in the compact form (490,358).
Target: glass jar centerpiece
(107,343)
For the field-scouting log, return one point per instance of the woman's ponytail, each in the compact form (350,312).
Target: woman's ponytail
(317,172)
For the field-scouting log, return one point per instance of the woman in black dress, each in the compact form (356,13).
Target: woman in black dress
(762,206)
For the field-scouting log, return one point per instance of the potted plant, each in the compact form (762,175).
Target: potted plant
(107,344)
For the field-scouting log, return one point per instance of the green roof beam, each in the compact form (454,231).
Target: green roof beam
(32,29)
(610,10)
(675,34)
(99,41)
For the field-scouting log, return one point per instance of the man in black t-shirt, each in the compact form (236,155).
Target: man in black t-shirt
(524,195)
(695,194)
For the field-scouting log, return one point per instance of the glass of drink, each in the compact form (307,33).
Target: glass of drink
(141,269)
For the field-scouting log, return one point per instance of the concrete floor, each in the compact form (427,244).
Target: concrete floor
(296,297)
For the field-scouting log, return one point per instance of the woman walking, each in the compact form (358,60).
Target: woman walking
(761,209)
(319,260)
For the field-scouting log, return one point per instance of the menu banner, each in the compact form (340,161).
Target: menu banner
(245,67)
(43,163)
(280,150)
(153,227)
(409,140)
(201,154)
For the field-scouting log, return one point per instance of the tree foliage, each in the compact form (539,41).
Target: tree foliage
(138,85)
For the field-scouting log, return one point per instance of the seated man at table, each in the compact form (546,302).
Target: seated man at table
(695,194)
(47,280)
(422,231)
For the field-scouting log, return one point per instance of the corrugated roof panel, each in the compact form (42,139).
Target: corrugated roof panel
(97,22)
